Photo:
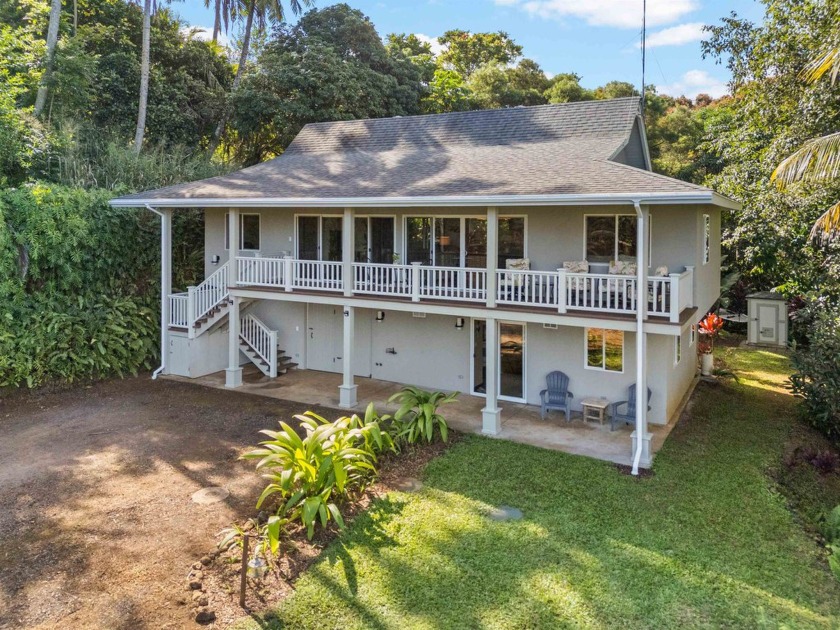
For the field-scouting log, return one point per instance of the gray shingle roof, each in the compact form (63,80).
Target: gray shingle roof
(544,150)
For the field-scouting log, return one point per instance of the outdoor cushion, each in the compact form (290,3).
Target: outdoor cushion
(661,271)
(622,268)
(518,264)
(576,266)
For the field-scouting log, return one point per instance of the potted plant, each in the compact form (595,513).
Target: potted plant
(709,327)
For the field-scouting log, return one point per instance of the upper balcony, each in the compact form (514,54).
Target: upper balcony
(560,291)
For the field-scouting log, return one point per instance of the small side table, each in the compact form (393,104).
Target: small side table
(594,409)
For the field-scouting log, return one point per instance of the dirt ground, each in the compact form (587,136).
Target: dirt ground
(97,527)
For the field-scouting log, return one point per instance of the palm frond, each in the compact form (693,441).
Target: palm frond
(817,160)
(827,227)
(828,60)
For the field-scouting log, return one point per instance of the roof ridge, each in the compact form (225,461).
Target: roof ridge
(598,102)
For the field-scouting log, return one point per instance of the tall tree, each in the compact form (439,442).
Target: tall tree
(140,130)
(264,12)
(52,40)
(466,52)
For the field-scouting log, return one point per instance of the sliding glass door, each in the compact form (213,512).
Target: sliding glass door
(461,241)
(374,238)
(510,358)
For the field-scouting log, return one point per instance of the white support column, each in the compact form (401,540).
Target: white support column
(675,298)
(562,280)
(415,281)
(491,415)
(347,389)
(641,438)
(492,255)
(348,238)
(233,373)
(191,319)
(233,239)
(165,285)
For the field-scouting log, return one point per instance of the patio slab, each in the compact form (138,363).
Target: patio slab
(520,422)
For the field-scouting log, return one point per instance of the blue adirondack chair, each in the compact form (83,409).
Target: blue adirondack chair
(628,416)
(556,395)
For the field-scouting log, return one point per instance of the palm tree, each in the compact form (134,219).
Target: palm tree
(225,11)
(263,12)
(52,40)
(818,160)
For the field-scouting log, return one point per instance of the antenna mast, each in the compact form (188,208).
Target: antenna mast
(644,15)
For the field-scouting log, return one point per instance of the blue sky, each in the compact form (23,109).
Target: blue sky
(598,39)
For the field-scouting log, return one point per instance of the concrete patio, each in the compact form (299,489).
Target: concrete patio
(520,422)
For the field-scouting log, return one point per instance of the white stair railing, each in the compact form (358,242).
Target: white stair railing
(202,299)
(261,340)
(178,310)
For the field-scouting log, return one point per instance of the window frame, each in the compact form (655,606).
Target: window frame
(677,349)
(603,367)
(692,337)
(615,246)
(463,228)
(242,216)
(707,238)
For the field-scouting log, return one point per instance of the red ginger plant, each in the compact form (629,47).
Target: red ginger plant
(709,328)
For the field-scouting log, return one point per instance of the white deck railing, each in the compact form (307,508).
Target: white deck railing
(453,283)
(382,279)
(667,296)
(178,310)
(261,340)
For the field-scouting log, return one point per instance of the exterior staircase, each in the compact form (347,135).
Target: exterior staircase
(205,308)
(259,343)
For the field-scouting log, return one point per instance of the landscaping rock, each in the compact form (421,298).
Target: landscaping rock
(208,496)
(197,575)
(505,513)
(409,484)
(206,560)
(195,584)
(204,615)
(196,566)
(200,599)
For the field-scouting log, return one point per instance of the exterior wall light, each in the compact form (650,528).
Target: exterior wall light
(214,259)
(380,316)
(459,323)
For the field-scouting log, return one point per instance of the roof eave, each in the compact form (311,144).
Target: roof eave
(698,197)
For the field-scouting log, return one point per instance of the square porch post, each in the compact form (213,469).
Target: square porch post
(348,239)
(233,373)
(492,254)
(347,389)
(641,437)
(491,415)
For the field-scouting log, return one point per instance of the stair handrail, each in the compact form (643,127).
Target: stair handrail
(261,339)
(208,295)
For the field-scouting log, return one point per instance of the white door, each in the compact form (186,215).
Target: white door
(768,323)
(325,328)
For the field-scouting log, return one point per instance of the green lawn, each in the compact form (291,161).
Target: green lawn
(706,542)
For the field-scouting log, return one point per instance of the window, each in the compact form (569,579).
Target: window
(610,237)
(707,238)
(249,232)
(692,336)
(677,349)
(461,241)
(605,349)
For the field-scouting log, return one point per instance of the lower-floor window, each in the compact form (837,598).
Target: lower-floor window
(605,349)
(677,348)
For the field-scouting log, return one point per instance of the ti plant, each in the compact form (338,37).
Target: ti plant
(418,415)
(314,473)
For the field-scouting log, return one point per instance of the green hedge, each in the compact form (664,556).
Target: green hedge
(81,281)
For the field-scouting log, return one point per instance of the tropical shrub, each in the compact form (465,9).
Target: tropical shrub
(817,372)
(418,417)
(831,531)
(313,474)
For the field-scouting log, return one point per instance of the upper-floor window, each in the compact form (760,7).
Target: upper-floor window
(605,349)
(461,241)
(249,232)
(707,238)
(610,237)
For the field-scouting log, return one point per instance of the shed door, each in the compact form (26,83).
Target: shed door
(768,323)
(325,329)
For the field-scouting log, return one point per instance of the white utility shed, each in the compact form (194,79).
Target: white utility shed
(768,319)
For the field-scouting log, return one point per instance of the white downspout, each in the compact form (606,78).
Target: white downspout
(641,358)
(165,279)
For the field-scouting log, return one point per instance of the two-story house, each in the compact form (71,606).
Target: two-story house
(473,251)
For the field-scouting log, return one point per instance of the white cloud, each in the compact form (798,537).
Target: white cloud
(695,82)
(616,13)
(203,33)
(675,36)
(431,41)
